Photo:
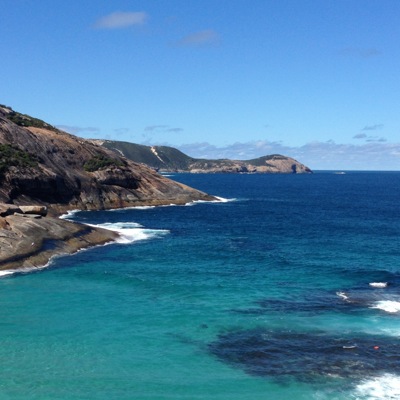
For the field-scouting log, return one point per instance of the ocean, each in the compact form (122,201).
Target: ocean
(287,288)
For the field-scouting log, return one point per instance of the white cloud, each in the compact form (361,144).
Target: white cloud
(372,127)
(204,37)
(328,155)
(152,128)
(75,130)
(162,128)
(119,19)
(360,136)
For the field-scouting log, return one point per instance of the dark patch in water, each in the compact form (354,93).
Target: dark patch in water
(356,300)
(310,305)
(307,357)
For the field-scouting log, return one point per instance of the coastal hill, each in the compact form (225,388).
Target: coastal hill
(169,159)
(40,164)
(45,172)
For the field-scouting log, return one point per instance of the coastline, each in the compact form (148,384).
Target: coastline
(28,241)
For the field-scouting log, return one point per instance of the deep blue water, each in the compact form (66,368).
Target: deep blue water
(264,296)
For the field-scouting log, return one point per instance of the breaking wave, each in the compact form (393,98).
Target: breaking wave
(131,231)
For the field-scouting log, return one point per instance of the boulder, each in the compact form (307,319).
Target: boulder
(38,210)
(8,209)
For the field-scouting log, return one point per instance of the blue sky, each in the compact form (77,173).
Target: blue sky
(317,80)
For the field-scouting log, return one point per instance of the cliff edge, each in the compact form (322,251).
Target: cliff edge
(45,172)
(40,164)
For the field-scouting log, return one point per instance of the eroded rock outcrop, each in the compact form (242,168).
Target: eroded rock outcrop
(30,240)
(46,171)
(43,166)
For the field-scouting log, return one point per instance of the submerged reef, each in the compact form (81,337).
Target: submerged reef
(308,356)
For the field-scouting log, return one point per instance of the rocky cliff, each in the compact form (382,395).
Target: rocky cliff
(46,171)
(169,159)
(42,165)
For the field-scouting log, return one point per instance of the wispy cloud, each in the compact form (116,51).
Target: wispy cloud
(175,130)
(360,52)
(121,131)
(201,38)
(75,130)
(121,19)
(316,155)
(372,127)
(360,136)
(376,139)
(162,128)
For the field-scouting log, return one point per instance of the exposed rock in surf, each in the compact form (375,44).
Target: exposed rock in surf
(30,240)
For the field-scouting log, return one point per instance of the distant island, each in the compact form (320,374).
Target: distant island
(169,159)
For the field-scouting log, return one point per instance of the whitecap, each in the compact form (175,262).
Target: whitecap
(25,270)
(219,200)
(383,387)
(6,272)
(69,214)
(119,225)
(131,231)
(223,200)
(389,306)
(342,295)
(131,208)
(378,284)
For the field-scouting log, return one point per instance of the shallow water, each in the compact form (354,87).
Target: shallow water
(264,296)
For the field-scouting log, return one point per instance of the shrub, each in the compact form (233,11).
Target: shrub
(100,161)
(26,120)
(12,156)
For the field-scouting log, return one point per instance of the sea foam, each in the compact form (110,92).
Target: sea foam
(69,214)
(384,387)
(131,231)
(378,284)
(342,295)
(389,306)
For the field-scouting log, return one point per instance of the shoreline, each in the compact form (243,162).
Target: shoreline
(29,242)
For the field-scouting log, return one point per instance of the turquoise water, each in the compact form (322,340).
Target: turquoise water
(265,295)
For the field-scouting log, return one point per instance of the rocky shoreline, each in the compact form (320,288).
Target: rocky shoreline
(45,172)
(29,238)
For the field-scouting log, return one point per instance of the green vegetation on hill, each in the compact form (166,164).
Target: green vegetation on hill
(12,156)
(157,157)
(99,162)
(25,120)
(165,158)
(264,160)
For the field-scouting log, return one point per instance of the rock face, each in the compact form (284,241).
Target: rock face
(46,171)
(30,240)
(40,165)
(168,159)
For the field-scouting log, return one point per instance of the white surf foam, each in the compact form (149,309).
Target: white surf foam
(223,200)
(384,387)
(342,295)
(69,214)
(131,231)
(389,306)
(378,284)
(8,272)
(219,200)
(131,208)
